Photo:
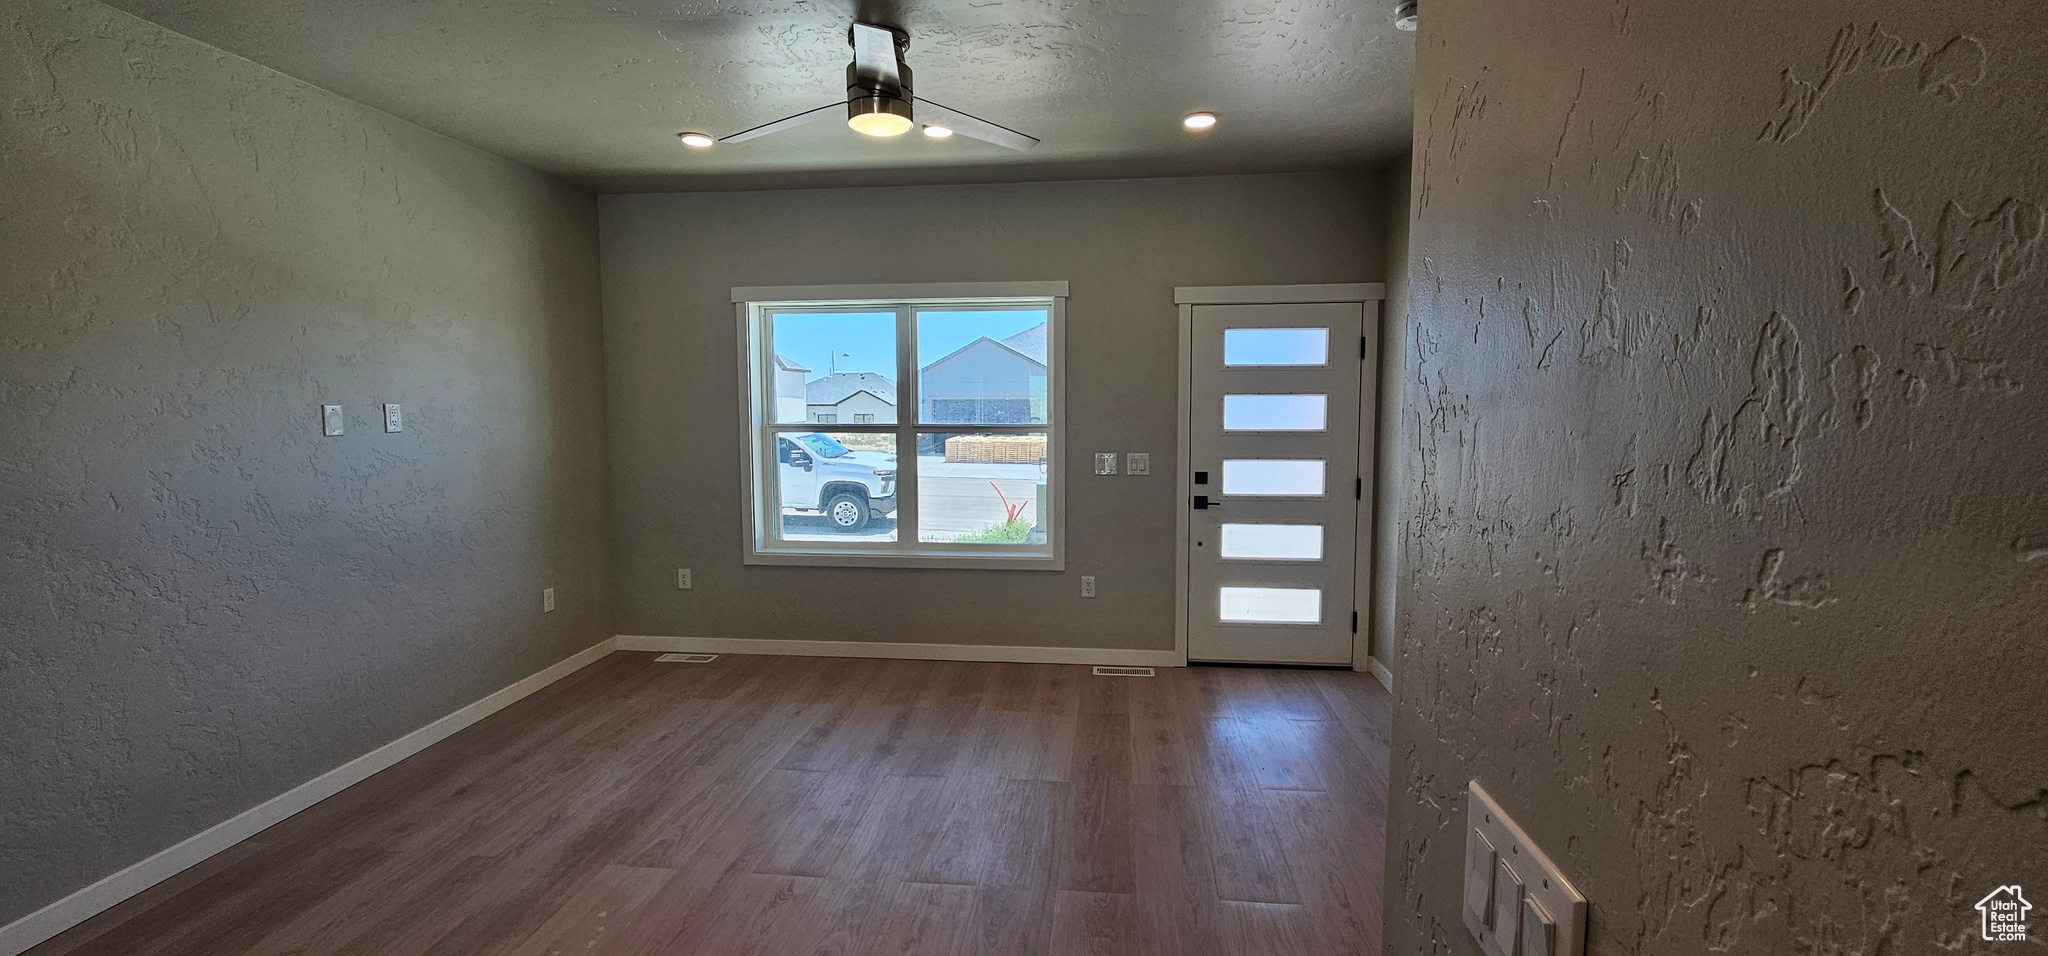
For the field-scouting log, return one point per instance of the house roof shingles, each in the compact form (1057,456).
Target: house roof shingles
(840,386)
(1031,342)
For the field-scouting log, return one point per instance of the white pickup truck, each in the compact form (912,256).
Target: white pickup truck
(821,476)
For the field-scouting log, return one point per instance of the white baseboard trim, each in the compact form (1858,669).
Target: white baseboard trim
(1380,671)
(912,652)
(30,930)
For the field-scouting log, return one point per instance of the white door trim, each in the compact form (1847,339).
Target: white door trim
(1279,294)
(1187,297)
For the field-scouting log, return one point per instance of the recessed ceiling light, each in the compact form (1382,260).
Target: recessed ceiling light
(1198,120)
(937,132)
(696,140)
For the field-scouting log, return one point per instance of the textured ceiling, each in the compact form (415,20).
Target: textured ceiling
(597,90)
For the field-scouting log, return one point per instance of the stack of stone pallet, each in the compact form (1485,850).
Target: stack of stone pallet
(996,449)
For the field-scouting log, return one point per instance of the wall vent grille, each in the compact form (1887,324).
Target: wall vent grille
(1123,671)
(687,658)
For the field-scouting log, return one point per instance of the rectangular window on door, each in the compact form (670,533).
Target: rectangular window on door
(1273,478)
(1241,605)
(1276,413)
(1272,542)
(1271,348)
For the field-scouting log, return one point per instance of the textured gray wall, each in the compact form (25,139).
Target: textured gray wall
(203,602)
(1725,544)
(670,262)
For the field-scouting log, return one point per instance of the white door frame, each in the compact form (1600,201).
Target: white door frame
(1187,297)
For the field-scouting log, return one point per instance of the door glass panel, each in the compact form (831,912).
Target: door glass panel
(1275,413)
(835,486)
(1272,477)
(1273,542)
(1271,605)
(1256,347)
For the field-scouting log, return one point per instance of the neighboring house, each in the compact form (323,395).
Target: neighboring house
(849,398)
(789,390)
(988,382)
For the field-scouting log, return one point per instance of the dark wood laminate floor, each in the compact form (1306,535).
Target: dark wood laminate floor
(788,805)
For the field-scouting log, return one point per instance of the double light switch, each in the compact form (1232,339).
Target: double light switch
(1517,902)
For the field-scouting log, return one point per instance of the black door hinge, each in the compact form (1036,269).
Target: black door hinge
(1354,622)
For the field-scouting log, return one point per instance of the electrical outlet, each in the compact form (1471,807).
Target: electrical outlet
(330,420)
(1087,585)
(547,600)
(394,419)
(1105,463)
(682,579)
(1138,463)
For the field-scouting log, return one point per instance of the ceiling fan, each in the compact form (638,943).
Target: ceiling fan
(879,101)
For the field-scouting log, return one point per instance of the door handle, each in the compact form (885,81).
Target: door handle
(1202,503)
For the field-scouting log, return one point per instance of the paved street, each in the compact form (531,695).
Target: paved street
(956,499)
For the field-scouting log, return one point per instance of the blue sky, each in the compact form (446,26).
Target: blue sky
(865,341)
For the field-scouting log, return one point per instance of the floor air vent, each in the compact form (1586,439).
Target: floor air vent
(1123,671)
(688,658)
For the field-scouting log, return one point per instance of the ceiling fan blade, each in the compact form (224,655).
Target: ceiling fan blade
(933,114)
(787,122)
(874,58)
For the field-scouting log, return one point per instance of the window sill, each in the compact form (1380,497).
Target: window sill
(909,559)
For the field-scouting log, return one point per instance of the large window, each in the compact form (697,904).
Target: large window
(903,426)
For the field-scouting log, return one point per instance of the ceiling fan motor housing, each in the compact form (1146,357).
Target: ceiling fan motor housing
(862,99)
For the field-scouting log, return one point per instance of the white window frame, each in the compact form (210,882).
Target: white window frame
(756,382)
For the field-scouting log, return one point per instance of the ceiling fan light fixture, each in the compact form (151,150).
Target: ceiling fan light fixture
(936,131)
(697,140)
(879,115)
(1198,121)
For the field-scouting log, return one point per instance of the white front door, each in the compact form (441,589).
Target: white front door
(1276,479)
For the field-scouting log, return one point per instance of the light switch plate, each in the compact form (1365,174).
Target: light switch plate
(1507,910)
(394,419)
(1539,931)
(1479,860)
(1138,463)
(1105,463)
(330,420)
(1543,891)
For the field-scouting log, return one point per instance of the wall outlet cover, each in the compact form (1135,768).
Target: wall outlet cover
(330,420)
(547,600)
(682,579)
(1087,585)
(1105,463)
(394,417)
